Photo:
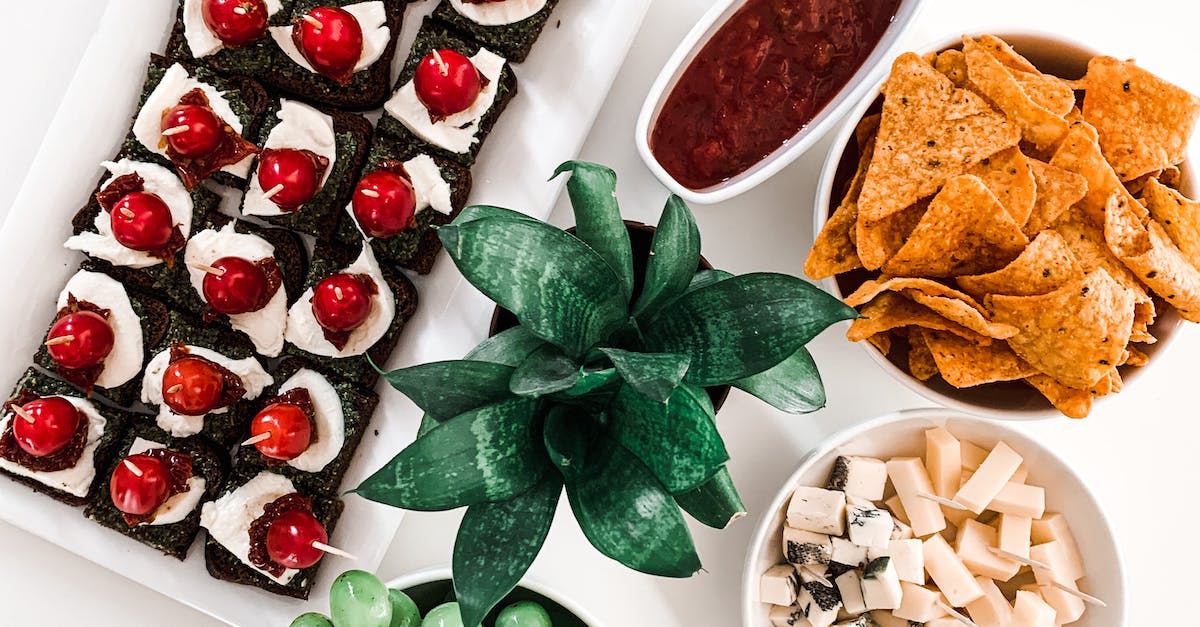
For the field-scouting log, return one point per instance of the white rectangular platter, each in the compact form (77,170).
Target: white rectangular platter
(562,85)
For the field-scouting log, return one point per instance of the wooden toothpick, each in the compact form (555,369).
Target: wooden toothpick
(1087,598)
(437,56)
(258,438)
(321,546)
(1019,559)
(274,190)
(956,615)
(313,22)
(209,269)
(62,339)
(174,389)
(24,415)
(943,501)
(175,130)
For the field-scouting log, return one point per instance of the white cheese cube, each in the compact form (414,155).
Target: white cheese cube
(819,603)
(919,604)
(991,609)
(813,572)
(1019,499)
(948,572)
(806,547)
(943,459)
(995,471)
(881,586)
(848,553)
(1015,532)
(1054,555)
(864,477)
(1053,526)
(972,455)
(1068,608)
(869,526)
(1030,610)
(910,478)
(779,585)
(974,544)
(908,558)
(861,621)
(788,616)
(818,510)
(849,585)
(900,531)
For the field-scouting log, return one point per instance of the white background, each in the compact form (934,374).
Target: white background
(1137,450)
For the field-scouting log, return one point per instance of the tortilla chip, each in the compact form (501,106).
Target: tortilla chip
(947,301)
(882,342)
(1005,54)
(834,250)
(1008,175)
(1057,190)
(1038,125)
(870,289)
(1050,92)
(1137,358)
(1071,402)
(931,131)
(920,361)
(965,231)
(1080,153)
(1179,217)
(953,64)
(1171,177)
(1086,241)
(864,135)
(892,311)
(1046,265)
(880,240)
(1136,186)
(965,364)
(1143,121)
(1147,250)
(1075,334)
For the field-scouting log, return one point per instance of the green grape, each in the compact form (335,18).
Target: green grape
(444,615)
(524,614)
(358,599)
(311,619)
(404,610)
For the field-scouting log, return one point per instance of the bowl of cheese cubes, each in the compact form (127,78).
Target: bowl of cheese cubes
(929,517)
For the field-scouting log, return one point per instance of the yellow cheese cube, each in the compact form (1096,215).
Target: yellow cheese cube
(973,546)
(1014,534)
(1053,526)
(949,573)
(989,479)
(1019,499)
(943,459)
(991,609)
(910,478)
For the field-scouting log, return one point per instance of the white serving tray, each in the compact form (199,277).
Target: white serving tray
(563,83)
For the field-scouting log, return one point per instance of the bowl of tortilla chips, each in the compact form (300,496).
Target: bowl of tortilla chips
(1011,217)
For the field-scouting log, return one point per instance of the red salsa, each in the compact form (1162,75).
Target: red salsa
(759,80)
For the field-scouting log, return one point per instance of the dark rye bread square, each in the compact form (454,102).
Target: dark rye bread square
(151,312)
(263,60)
(330,259)
(208,461)
(226,566)
(357,406)
(435,35)
(321,216)
(416,248)
(511,41)
(224,428)
(246,97)
(116,420)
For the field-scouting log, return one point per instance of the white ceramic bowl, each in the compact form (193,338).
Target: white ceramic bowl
(443,573)
(1012,400)
(902,434)
(825,120)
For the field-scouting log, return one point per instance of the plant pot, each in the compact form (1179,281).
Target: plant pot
(432,587)
(641,236)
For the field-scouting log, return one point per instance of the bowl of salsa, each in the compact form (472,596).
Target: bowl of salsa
(758,82)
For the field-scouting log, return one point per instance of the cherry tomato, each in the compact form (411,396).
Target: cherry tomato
(142,221)
(384,203)
(192,386)
(238,286)
(140,495)
(193,131)
(290,539)
(91,340)
(295,171)
(332,41)
(55,421)
(290,430)
(447,82)
(236,22)
(341,302)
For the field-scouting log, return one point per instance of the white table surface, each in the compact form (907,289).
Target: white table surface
(1137,450)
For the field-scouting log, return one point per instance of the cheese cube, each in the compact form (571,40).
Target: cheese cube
(1068,608)
(869,526)
(908,558)
(972,455)
(848,553)
(896,508)
(849,585)
(884,618)
(1053,526)
(973,546)
(956,516)
(919,604)
(881,586)
(944,621)
(909,476)
(991,476)
(1020,475)
(814,572)
(1031,610)
(861,621)
(779,585)
(789,616)
(943,459)
(864,477)
(819,603)
(1020,499)
(1014,534)
(1054,555)
(806,547)
(817,510)
(991,609)
(949,573)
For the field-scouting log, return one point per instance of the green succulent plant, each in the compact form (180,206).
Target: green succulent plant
(600,389)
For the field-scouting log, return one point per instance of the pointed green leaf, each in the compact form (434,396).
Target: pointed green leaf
(593,191)
(446,389)
(566,435)
(678,441)
(793,386)
(705,278)
(590,380)
(655,375)
(715,502)
(428,423)
(545,371)
(674,255)
(743,325)
(477,212)
(496,544)
(628,516)
(509,347)
(487,454)
(557,286)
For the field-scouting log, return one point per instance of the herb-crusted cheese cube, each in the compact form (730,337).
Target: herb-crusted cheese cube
(908,557)
(900,531)
(991,609)
(779,585)
(849,553)
(818,510)
(869,526)
(1053,526)
(918,603)
(849,585)
(819,603)
(861,621)
(864,477)
(880,585)
(948,572)
(787,616)
(806,547)
(814,573)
